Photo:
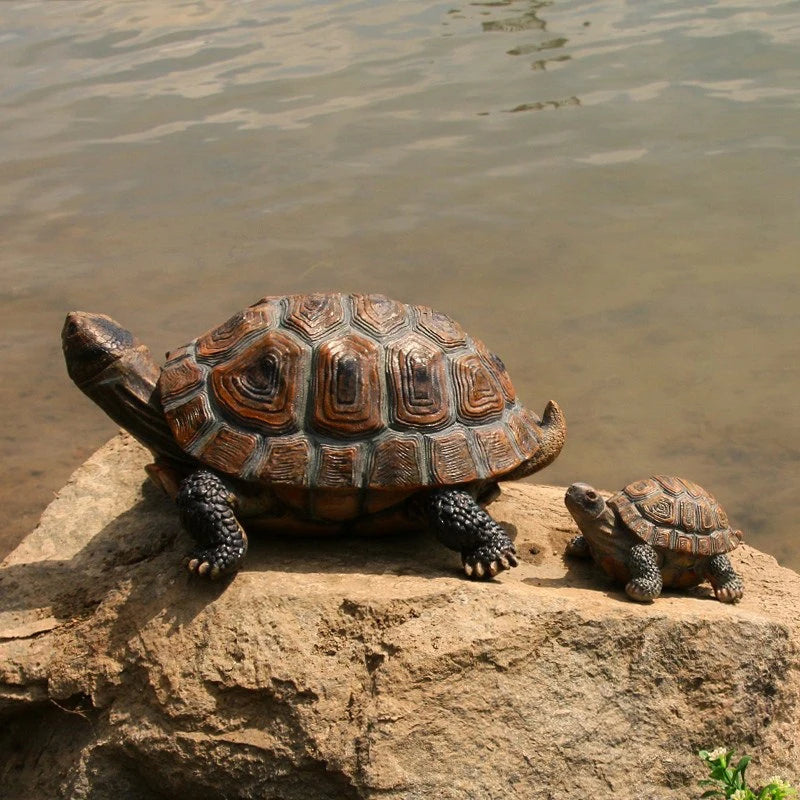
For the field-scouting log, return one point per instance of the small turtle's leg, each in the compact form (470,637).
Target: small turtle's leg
(645,583)
(728,586)
(206,509)
(578,547)
(462,525)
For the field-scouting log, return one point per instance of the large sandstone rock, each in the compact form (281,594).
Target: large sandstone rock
(365,668)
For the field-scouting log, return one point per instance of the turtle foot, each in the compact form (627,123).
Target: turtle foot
(216,562)
(641,593)
(486,563)
(206,508)
(728,586)
(730,592)
(464,526)
(646,582)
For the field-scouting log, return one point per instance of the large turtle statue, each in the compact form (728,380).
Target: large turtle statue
(317,412)
(660,531)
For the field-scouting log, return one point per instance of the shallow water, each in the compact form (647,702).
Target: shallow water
(605,192)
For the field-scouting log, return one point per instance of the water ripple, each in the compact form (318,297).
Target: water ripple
(631,249)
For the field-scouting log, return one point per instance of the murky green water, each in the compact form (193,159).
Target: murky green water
(607,193)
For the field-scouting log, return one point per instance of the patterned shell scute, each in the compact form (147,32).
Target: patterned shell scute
(258,387)
(439,327)
(216,345)
(451,460)
(675,514)
(498,369)
(417,376)
(378,315)
(347,398)
(337,391)
(397,462)
(287,460)
(313,315)
(185,378)
(478,394)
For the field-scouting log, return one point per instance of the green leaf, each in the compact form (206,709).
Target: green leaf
(742,765)
(713,793)
(719,772)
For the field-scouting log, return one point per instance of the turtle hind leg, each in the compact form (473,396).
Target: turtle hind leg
(462,525)
(206,509)
(646,582)
(728,586)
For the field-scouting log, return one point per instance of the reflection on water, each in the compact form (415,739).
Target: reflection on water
(529,21)
(630,250)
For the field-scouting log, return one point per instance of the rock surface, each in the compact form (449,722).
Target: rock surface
(366,668)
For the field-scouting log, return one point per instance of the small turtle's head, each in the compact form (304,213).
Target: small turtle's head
(585,503)
(92,342)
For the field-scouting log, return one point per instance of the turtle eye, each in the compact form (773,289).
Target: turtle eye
(591,495)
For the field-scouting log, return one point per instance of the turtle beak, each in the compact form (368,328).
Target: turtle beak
(91,342)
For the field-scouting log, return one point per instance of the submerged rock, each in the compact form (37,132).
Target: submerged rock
(362,668)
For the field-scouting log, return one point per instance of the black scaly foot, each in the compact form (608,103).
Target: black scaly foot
(206,509)
(645,583)
(728,586)
(462,525)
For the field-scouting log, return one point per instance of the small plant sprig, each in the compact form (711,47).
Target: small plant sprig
(727,780)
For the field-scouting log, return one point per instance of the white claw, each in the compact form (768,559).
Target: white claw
(215,572)
(468,569)
(479,570)
(505,563)
(192,565)
(729,595)
(203,568)
(494,568)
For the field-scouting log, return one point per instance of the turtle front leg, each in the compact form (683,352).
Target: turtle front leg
(646,582)
(206,510)
(462,525)
(728,586)
(578,547)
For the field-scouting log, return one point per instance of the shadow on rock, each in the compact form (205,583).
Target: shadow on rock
(142,552)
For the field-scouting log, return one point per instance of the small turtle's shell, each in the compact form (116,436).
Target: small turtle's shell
(677,515)
(346,392)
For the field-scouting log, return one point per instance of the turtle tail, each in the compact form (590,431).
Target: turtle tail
(551,434)
(554,434)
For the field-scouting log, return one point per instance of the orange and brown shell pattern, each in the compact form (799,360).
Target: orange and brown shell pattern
(675,514)
(349,391)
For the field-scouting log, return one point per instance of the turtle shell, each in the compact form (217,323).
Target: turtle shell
(335,391)
(675,514)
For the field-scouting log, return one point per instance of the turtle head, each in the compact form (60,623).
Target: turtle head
(585,501)
(589,510)
(114,369)
(92,343)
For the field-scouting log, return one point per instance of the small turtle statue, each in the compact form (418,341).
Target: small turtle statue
(657,531)
(319,412)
